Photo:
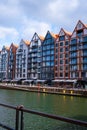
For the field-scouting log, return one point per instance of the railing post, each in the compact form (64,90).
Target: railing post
(21,121)
(17,119)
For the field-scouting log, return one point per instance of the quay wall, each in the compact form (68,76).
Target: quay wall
(50,90)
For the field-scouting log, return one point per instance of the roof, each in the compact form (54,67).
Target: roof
(7,48)
(54,35)
(26,42)
(41,37)
(85,25)
(15,45)
(68,33)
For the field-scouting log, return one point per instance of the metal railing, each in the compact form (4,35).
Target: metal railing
(19,123)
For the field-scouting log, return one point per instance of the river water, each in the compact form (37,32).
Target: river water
(67,106)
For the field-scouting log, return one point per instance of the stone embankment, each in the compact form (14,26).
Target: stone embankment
(46,89)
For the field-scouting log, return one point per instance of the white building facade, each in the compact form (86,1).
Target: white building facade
(21,60)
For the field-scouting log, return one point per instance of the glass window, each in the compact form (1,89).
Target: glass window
(73,61)
(66,55)
(47,57)
(66,49)
(85,39)
(48,46)
(62,38)
(45,42)
(84,66)
(66,74)
(44,47)
(61,55)
(67,67)
(67,43)
(84,45)
(61,43)
(44,53)
(48,63)
(80,32)
(48,52)
(61,67)
(85,52)
(56,44)
(52,51)
(61,49)
(52,46)
(61,61)
(73,48)
(52,63)
(55,62)
(66,62)
(43,58)
(61,74)
(49,41)
(56,50)
(52,57)
(48,35)
(56,56)
(73,41)
(85,59)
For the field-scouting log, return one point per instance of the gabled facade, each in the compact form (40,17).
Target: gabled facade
(4,62)
(34,57)
(47,69)
(78,52)
(21,60)
(12,61)
(62,55)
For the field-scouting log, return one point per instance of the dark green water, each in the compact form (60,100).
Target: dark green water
(67,106)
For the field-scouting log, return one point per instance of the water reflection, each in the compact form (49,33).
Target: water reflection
(68,106)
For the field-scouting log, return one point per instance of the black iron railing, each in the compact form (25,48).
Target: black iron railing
(19,124)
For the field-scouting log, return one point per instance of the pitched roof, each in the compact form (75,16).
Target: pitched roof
(16,45)
(41,37)
(7,48)
(26,42)
(68,33)
(54,35)
(85,25)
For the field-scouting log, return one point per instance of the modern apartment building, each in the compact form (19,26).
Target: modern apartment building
(21,60)
(4,62)
(78,52)
(12,61)
(34,57)
(62,55)
(48,45)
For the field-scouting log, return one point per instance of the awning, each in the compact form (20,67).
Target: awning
(41,81)
(63,80)
(6,80)
(27,81)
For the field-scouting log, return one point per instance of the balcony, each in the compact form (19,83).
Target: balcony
(20,50)
(73,42)
(84,61)
(73,49)
(73,56)
(84,55)
(85,47)
(72,63)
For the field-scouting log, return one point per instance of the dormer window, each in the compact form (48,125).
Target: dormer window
(62,38)
(80,32)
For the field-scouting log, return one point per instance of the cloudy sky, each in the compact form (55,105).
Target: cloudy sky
(22,18)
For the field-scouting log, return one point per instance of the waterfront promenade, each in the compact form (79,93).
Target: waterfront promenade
(46,89)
